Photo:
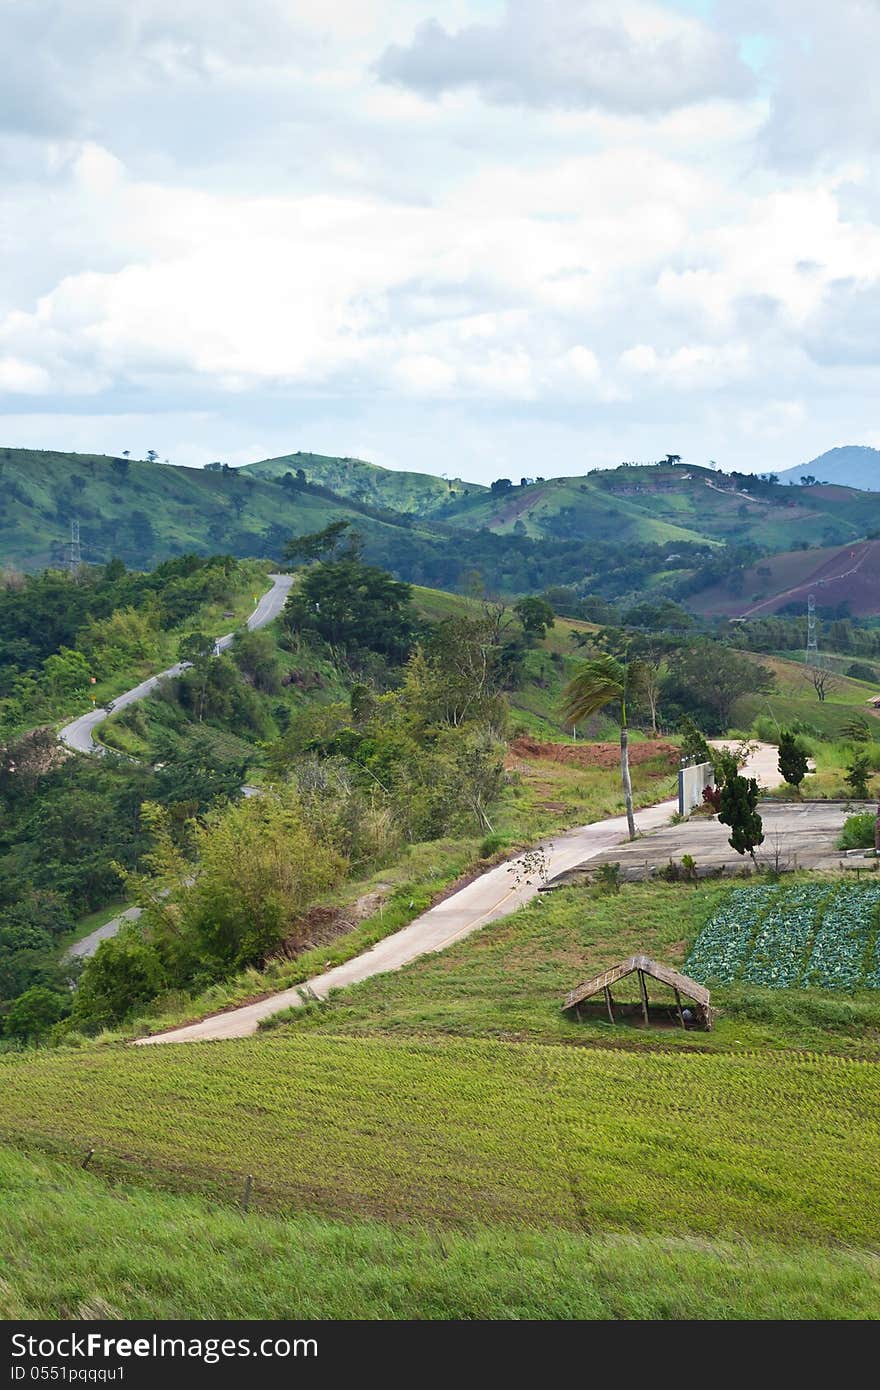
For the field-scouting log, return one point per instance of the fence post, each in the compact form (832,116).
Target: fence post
(246,1200)
(88,1158)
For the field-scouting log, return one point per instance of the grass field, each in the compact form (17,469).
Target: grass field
(794,699)
(508,981)
(460,1134)
(183,1257)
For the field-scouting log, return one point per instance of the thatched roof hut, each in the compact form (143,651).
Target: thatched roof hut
(681,986)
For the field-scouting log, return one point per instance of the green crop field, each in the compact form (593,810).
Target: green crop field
(820,934)
(172,1256)
(480,1132)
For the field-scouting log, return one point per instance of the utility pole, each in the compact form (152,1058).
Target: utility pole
(74,552)
(813,658)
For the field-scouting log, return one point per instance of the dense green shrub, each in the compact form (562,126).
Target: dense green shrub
(858,832)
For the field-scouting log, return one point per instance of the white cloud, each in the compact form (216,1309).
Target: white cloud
(22,378)
(688,367)
(636,56)
(219,219)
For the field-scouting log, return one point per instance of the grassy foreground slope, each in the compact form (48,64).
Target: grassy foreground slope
(173,1257)
(453,1133)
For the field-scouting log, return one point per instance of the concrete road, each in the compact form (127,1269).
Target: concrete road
(497,893)
(78,734)
(89,944)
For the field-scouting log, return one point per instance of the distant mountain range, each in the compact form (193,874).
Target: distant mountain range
(616,531)
(852,465)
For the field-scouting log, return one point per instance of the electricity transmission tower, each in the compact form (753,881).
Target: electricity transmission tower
(74,552)
(814,660)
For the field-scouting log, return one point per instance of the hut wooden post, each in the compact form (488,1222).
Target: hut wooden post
(644,992)
(609,1004)
(678,1006)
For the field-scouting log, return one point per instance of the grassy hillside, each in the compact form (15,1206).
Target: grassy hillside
(417,494)
(669,505)
(508,981)
(794,699)
(146,512)
(459,1133)
(568,508)
(184,1257)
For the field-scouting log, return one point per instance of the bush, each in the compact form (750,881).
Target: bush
(35,1012)
(861,671)
(608,877)
(491,845)
(857,832)
(857,774)
(806,731)
(124,972)
(766,729)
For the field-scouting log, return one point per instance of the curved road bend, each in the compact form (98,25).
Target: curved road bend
(495,894)
(78,734)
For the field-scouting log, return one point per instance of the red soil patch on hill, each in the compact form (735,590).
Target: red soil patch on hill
(595,754)
(846,574)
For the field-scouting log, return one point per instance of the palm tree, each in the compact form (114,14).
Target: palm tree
(604,681)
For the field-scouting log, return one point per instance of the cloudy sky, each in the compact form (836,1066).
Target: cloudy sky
(468,236)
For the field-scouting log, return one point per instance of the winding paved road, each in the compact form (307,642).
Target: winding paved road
(78,734)
(494,894)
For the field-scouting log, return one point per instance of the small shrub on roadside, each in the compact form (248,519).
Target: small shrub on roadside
(608,878)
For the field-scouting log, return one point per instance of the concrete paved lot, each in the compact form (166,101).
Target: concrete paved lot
(798,835)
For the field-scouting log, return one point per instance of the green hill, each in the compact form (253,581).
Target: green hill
(416,494)
(617,532)
(147,512)
(674,505)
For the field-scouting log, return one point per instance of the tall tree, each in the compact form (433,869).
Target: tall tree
(792,759)
(600,682)
(738,809)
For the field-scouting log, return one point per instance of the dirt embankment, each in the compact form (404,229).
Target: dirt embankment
(604,755)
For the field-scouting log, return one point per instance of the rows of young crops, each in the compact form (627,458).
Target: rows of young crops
(842,956)
(723,946)
(809,934)
(461,1132)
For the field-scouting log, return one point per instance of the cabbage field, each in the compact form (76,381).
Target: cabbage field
(823,935)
